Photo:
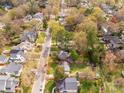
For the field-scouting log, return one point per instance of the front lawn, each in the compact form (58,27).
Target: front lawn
(49,86)
(77,67)
(40,38)
(51,65)
(88,86)
(26,89)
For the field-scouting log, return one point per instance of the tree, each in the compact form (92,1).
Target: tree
(64,37)
(73,3)
(95,48)
(2,40)
(56,29)
(80,41)
(45,25)
(74,55)
(75,18)
(59,73)
(32,6)
(86,24)
(54,6)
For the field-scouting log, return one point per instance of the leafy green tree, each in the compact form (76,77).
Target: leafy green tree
(74,55)
(56,29)
(45,25)
(64,37)
(59,73)
(95,48)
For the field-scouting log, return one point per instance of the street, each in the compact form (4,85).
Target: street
(39,83)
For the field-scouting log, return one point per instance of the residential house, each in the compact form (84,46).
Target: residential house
(85,4)
(43,3)
(29,36)
(8,84)
(63,55)
(12,69)
(66,67)
(68,85)
(106,8)
(38,16)
(113,42)
(62,21)
(26,46)
(27,18)
(7,5)
(3,59)
(17,56)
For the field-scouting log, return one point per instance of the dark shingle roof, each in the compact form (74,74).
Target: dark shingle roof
(68,84)
(29,36)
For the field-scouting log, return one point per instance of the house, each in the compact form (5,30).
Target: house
(12,69)
(43,3)
(106,8)
(26,46)
(29,36)
(61,21)
(17,56)
(8,84)
(3,59)
(27,18)
(66,67)
(85,4)
(38,16)
(8,5)
(114,42)
(68,85)
(63,55)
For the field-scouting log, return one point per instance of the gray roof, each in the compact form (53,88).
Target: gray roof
(30,36)
(68,84)
(63,55)
(112,39)
(8,84)
(38,16)
(14,53)
(12,68)
(106,8)
(3,59)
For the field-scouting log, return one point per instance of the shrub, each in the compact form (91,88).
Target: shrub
(74,55)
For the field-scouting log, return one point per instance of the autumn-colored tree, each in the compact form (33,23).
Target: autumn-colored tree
(33,6)
(75,18)
(80,40)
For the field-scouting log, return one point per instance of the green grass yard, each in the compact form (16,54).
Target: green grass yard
(40,38)
(49,86)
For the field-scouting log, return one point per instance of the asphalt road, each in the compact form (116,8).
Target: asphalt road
(39,83)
